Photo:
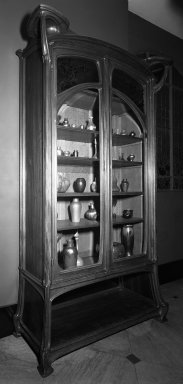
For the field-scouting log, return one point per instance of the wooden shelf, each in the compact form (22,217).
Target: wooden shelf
(71,160)
(119,220)
(95,316)
(76,134)
(126,194)
(77,194)
(65,225)
(118,140)
(126,163)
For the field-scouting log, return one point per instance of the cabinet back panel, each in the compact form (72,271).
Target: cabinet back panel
(34,164)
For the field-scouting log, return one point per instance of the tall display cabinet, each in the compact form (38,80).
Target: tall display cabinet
(88,264)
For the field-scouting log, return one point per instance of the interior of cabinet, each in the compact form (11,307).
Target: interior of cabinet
(78,141)
(127,179)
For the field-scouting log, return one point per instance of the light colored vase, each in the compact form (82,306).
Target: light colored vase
(63,182)
(75,210)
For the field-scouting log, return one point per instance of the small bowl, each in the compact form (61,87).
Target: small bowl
(127,213)
(131,157)
(67,153)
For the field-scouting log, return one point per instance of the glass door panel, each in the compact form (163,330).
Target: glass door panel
(78,180)
(127,181)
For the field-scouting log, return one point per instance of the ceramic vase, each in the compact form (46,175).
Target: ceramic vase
(124,185)
(91,126)
(79,184)
(91,213)
(128,239)
(93,186)
(63,182)
(75,210)
(70,255)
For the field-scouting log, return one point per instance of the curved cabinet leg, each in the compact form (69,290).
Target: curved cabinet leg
(18,315)
(44,368)
(161,304)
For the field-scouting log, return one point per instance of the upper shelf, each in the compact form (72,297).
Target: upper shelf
(65,225)
(71,160)
(76,134)
(87,136)
(118,140)
(126,163)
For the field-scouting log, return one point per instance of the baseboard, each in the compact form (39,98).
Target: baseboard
(6,320)
(170,271)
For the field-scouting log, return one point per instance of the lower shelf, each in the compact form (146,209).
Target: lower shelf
(85,320)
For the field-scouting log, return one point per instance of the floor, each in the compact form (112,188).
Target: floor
(149,353)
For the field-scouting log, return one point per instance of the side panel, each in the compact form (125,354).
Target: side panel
(34,163)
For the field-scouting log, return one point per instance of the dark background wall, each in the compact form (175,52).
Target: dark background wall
(144,36)
(103,19)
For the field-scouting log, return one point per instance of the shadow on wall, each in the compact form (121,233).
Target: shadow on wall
(177,5)
(23,27)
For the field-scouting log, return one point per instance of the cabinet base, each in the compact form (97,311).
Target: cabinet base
(79,319)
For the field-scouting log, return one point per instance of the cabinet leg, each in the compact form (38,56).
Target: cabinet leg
(18,315)
(16,320)
(44,368)
(161,304)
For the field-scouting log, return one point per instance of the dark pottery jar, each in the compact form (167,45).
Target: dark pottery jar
(70,255)
(91,213)
(79,184)
(127,213)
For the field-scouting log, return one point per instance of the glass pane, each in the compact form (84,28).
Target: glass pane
(163,138)
(129,86)
(78,181)
(163,182)
(177,137)
(73,71)
(127,183)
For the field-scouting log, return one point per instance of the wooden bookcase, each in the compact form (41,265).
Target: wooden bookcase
(66,81)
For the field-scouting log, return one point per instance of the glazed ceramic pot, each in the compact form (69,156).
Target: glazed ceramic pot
(75,210)
(91,213)
(63,182)
(124,185)
(131,157)
(91,126)
(69,255)
(115,187)
(128,239)
(93,186)
(79,184)
(127,213)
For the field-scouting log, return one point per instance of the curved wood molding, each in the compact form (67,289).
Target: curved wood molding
(153,60)
(46,22)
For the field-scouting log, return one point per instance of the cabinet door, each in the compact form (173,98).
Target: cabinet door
(127,182)
(79,170)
